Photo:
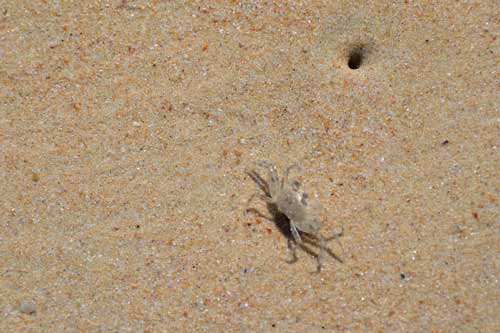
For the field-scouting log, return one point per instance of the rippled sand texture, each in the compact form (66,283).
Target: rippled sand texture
(126,127)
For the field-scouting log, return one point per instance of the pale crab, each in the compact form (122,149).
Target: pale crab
(303,213)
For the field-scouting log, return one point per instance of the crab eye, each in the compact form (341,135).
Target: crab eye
(295,184)
(304,199)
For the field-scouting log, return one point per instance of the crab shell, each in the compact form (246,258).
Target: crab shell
(302,212)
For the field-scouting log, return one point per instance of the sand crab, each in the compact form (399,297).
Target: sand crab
(303,213)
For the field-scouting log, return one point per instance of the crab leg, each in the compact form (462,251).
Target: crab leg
(295,232)
(284,179)
(274,182)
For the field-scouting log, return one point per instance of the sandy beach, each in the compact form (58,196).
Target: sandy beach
(126,128)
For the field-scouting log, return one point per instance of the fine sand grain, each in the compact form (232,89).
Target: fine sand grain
(126,127)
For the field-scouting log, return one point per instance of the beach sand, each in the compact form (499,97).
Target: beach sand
(126,128)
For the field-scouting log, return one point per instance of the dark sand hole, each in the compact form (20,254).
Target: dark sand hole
(356,57)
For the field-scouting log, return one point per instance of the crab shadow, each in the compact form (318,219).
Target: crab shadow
(282,223)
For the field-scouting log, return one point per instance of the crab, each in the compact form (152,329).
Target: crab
(286,198)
